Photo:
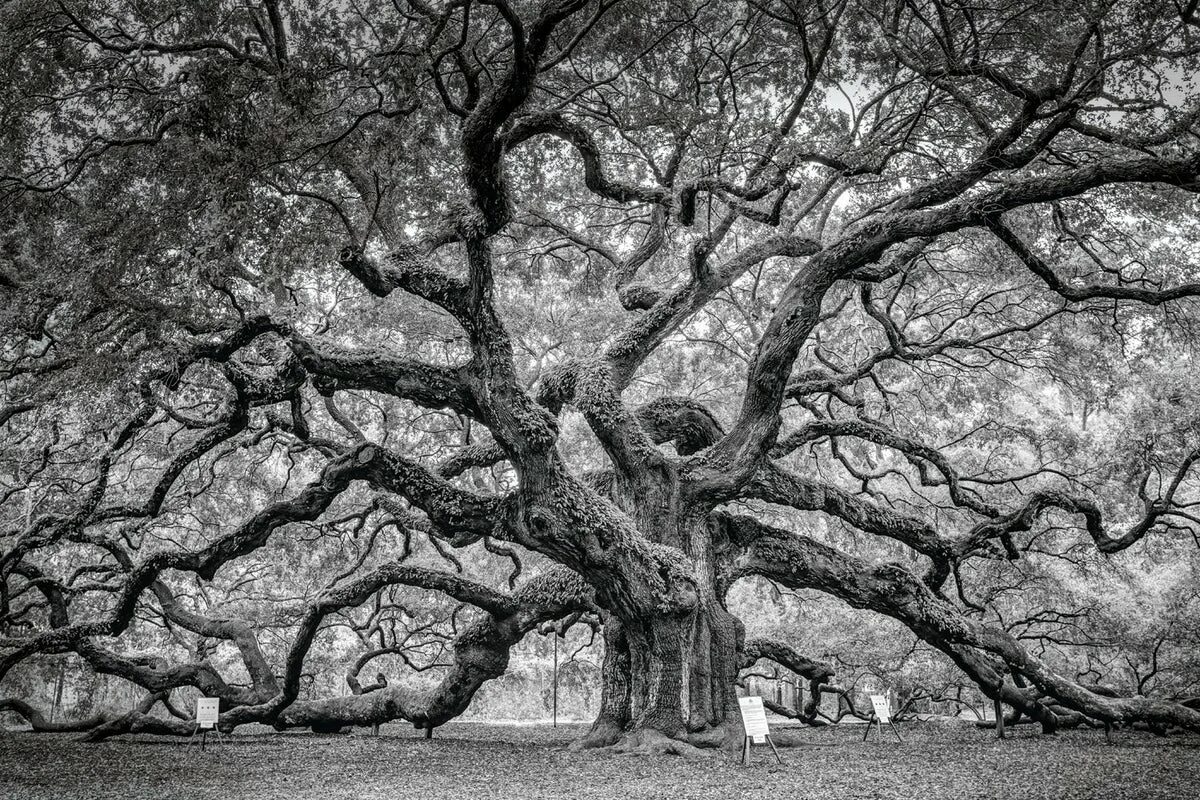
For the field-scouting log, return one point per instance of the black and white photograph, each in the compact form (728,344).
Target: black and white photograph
(672,399)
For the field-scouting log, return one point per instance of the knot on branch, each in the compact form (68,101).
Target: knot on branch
(471,225)
(681,420)
(366,454)
(325,385)
(638,296)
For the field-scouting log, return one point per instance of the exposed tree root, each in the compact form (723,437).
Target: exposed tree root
(727,736)
(649,742)
(604,733)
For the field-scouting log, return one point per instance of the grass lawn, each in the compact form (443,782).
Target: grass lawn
(472,760)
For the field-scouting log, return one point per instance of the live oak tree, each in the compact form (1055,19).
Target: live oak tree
(660,295)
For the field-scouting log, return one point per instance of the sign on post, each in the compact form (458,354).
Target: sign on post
(754,721)
(882,713)
(754,718)
(208,712)
(208,709)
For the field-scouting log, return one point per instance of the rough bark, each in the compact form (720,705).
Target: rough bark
(669,677)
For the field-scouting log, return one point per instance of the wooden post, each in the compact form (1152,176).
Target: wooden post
(554,701)
(773,749)
(880,710)
(204,737)
(754,725)
(999,717)
(747,745)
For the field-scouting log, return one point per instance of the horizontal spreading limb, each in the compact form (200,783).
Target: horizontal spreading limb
(801,562)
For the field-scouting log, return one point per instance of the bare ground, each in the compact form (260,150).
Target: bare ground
(472,760)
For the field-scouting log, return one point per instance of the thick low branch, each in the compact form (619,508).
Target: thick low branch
(40,724)
(481,653)
(249,536)
(798,562)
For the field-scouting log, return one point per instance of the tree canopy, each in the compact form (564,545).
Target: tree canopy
(583,312)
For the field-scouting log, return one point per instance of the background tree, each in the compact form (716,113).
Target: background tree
(889,301)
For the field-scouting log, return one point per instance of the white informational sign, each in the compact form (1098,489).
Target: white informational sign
(754,718)
(882,712)
(207,711)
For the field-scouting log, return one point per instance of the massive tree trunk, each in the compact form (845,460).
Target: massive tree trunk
(668,679)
